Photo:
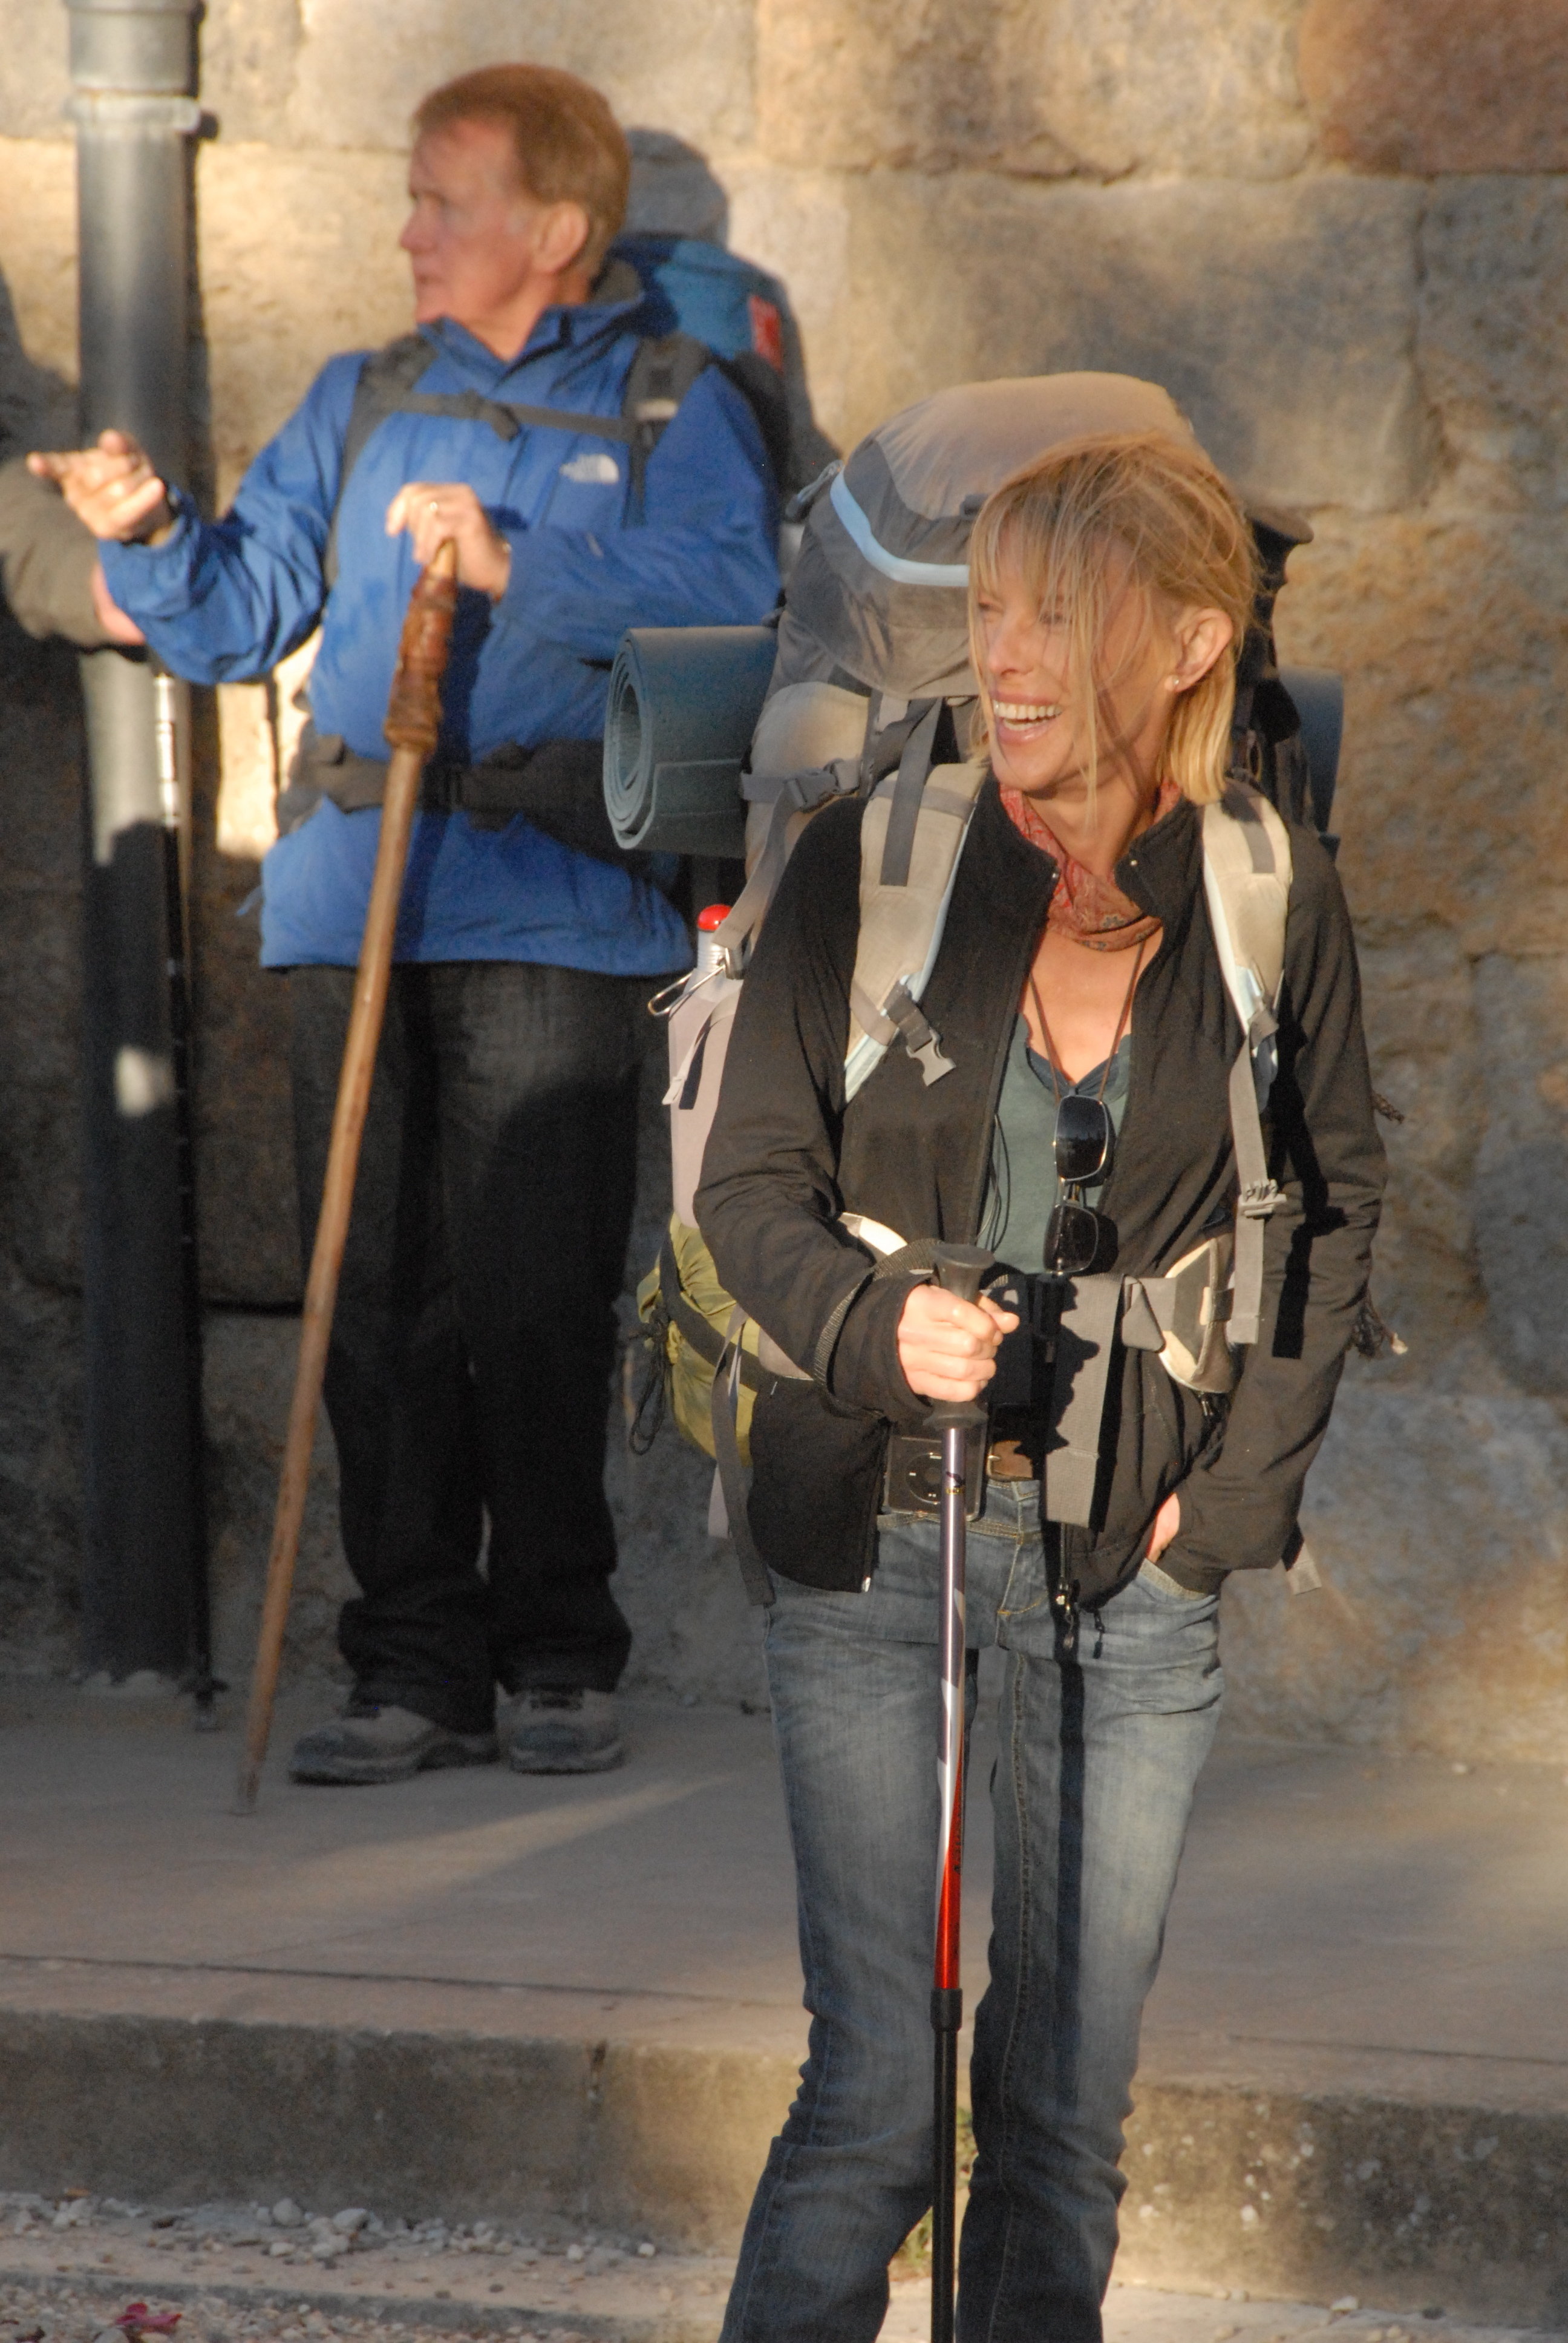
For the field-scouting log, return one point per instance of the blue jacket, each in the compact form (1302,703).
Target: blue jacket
(221,603)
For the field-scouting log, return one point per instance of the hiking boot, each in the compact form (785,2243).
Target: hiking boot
(565,1733)
(375,1742)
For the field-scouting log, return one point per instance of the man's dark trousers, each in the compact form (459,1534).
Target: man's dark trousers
(468,1380)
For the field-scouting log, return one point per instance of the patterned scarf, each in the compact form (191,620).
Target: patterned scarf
(1092,910)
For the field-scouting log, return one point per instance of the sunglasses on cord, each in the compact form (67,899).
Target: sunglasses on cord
(1075,1230)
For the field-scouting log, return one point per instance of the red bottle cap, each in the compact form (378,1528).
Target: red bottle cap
(714,917)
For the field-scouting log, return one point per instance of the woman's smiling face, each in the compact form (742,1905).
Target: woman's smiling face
(1043,739)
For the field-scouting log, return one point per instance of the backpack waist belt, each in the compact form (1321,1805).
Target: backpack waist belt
(559,786)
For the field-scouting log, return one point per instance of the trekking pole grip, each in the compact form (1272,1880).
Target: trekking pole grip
(961,1271)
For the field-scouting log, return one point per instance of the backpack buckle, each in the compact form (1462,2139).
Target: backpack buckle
(921,1038)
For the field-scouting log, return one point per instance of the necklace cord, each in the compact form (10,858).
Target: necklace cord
(1121,1024)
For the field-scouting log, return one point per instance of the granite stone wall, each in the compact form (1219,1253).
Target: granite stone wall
(1337,230)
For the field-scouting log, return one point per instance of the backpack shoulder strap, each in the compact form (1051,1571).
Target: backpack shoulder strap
(386,380)
(911,840)
(1247,880)
(1247,883)
(662,371)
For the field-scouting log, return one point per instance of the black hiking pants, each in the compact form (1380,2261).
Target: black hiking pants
(468,1380)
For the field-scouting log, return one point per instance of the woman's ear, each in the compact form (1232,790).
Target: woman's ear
(1201,638)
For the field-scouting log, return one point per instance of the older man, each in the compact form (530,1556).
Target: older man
(466,1386)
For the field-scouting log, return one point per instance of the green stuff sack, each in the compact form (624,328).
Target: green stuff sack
(688,1315)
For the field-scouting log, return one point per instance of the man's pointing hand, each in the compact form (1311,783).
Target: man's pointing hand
(112,489)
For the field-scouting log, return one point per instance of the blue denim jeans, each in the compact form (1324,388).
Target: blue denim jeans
(1099,1750)
(475,1330)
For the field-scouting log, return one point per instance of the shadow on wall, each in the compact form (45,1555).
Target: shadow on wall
(40,882)
(249,1243)
(40,959)
(673,189)
(1283,324)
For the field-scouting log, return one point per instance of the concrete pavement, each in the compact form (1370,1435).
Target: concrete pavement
(478,1993)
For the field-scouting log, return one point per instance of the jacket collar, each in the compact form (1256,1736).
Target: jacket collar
(1027,868)
(568,326)
(1162,868)
(1161,871)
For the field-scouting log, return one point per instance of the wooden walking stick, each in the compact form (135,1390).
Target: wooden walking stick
(413,720)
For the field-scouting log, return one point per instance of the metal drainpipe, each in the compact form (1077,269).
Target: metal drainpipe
(133,70)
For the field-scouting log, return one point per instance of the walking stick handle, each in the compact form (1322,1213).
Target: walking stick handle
(414,704)
(413,723)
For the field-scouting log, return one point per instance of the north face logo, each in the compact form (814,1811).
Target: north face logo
(592,471)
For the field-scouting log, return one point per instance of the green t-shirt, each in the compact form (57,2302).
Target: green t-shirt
(1024,1188)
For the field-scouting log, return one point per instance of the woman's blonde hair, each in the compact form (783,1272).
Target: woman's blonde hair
(1096,517)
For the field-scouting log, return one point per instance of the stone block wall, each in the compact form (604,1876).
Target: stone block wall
(1336,229)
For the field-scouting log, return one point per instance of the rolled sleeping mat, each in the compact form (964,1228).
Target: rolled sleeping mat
(683,704)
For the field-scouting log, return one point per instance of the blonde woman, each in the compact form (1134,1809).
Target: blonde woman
(1110,586)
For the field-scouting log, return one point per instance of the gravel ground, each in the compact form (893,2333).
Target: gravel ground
(70,2269)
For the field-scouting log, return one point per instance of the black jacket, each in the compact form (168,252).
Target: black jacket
(786,1156)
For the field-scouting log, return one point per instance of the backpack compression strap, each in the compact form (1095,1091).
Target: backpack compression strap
(1247,881)
(662,371)
(723,1410)
(903,746)
(911,838)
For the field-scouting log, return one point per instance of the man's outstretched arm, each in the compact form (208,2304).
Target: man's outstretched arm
(218,601)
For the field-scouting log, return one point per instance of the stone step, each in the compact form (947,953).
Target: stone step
(1308,2190)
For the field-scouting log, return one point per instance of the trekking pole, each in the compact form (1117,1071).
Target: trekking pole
(413,721)
(958,1270)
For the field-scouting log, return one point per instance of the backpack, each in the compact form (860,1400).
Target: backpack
(870,683)
(742,315)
